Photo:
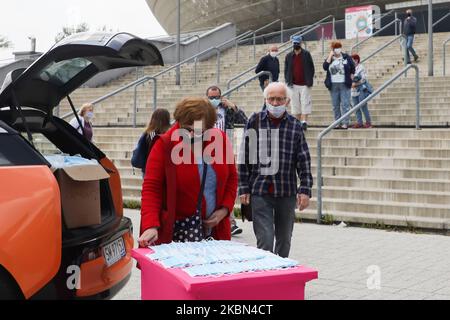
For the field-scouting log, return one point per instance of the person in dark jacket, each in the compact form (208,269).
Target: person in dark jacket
(409,30)
(340,69)
(269,63)
(228,114)
(299,75)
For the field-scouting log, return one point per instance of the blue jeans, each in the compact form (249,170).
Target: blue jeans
(340,98)
(409,46)
(364,109)
(273,218)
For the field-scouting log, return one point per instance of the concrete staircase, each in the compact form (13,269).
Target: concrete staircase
(390,176)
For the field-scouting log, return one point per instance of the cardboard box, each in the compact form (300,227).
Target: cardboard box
(80,194)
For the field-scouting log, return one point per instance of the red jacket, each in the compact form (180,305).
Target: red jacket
(187,187)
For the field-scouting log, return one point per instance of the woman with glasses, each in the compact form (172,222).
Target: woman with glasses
(190,173)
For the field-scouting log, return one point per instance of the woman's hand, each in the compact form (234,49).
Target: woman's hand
(330,56)
(215,218)
(148,237)
(245,199)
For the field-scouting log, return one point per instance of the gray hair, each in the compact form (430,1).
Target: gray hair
(276,84)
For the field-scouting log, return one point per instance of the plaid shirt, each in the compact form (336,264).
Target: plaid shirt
(233,117)
(294,158)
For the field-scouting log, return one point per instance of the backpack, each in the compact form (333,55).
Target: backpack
(141,152)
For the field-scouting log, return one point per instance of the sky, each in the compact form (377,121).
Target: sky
(43,19)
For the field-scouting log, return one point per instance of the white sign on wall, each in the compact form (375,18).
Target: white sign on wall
(359,20)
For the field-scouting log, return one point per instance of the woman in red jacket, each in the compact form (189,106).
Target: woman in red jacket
(174,172)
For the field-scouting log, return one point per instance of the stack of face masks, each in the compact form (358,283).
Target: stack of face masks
(62,161)
(215,258)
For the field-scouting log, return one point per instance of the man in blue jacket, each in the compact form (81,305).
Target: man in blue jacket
(299,75)
(269,63)
(409,30)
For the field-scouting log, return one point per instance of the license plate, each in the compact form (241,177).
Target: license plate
(114,251)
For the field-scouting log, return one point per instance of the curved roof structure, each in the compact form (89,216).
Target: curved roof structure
(250,14)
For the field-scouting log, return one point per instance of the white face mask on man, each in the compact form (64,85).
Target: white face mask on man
(337,51)
(273,54)
(276,111)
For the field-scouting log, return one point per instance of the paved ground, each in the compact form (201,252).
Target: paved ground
(356,263)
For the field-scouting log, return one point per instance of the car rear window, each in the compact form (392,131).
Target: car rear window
(61,72)
(15,151)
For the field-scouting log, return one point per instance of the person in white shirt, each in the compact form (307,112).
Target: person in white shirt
(340,70)
(86,115)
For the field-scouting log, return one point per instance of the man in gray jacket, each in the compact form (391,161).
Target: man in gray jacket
(409,30)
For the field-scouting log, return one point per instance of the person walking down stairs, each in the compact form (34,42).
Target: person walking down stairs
(299,75)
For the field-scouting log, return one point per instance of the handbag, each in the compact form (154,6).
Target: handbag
(190,229)
(246,209)
(246,212)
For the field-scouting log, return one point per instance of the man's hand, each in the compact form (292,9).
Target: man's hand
(302,201)
(215,218)
(148,237)
(245,199)
(227,103)
(266,83)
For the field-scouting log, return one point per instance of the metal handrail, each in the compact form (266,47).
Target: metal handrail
(274,33)
(228,92)
(312,27)
(396,20)
(309,29)
(148,78)
(359,43)
(387,44)
(155,99)
(357,107)
(375,20)
(444,45)
(441,19)
(260,29)
(184,40)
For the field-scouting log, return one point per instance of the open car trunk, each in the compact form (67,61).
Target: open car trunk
(28,97)
(56,137)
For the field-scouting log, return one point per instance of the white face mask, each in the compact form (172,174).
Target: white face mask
(90,115)
(215,102)
(273,53)
(276,112)
(337,51)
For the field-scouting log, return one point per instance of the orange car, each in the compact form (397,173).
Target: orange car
(41,257)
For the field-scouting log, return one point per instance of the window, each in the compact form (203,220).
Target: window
(59,73)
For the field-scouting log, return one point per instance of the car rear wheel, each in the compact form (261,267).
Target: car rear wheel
(8,288)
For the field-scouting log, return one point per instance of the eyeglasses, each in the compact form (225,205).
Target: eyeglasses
(277,99)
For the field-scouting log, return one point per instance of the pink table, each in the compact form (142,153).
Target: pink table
(159,283)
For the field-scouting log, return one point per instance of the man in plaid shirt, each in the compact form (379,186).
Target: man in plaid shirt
(228,114)
(271,187)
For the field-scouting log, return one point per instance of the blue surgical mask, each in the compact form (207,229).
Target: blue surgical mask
(277,112)
(215,102)
(90,115)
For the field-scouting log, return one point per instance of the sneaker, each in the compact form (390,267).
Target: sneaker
(416,58)
(235,230)
(356,126)
(344,127)
(304,126)
(368,125)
